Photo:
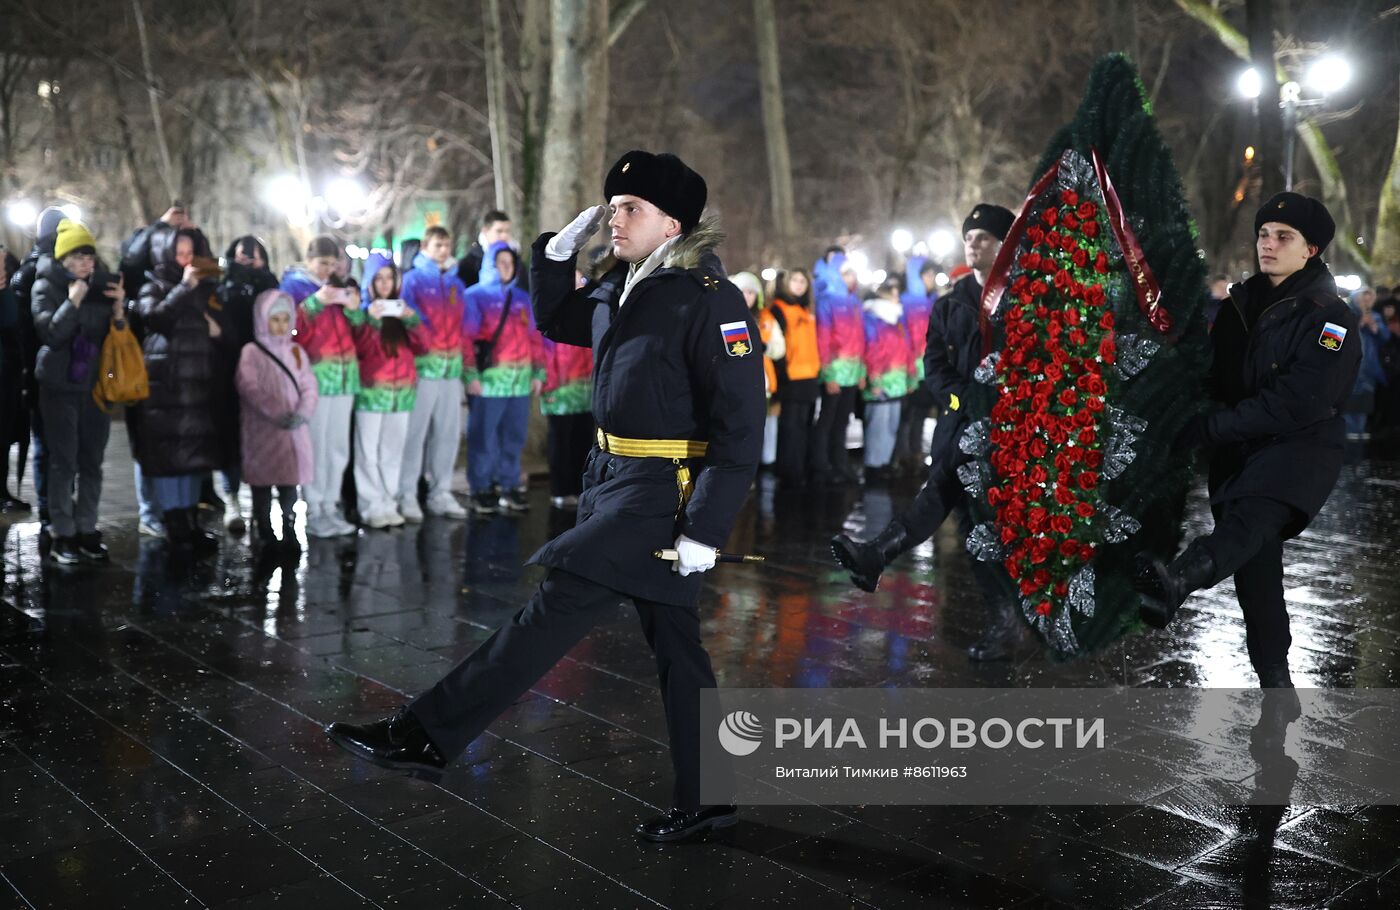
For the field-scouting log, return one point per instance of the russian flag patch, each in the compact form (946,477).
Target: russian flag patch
(1332,336)
(736,338)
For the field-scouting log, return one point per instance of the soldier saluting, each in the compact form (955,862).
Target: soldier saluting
(678,396)
(1285,358)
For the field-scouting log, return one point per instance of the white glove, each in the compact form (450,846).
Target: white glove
(564,245)
(692,556)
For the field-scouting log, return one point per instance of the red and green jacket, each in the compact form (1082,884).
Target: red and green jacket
(518,356)
(890,370)
(568,384)
(388,384)
(437,297)
(324,333)
(840,327)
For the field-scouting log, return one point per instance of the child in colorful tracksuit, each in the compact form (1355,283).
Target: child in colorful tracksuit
(277,393)
(889,373)
(841,346)
(434,292)
(918,298)
(567,404)
(499,389)
(323,331)
(386,347)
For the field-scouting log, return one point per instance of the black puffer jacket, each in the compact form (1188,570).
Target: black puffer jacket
(236,293)
(175,430)
(57,323)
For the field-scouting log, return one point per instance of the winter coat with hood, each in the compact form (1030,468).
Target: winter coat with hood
(59,326)
(840,325)
(237,290)
(275,381)
(176,430)
(517,357)
(323,332)
(797,370)
(437,295)
(918,309)
(676,359)
(1285,359)
(889,351)
(388,379)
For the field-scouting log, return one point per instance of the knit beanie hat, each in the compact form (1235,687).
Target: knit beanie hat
(73,238)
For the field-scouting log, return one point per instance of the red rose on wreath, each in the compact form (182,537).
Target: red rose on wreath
(1068,398)
(1069,197)
(1069,222)
(1063,495)
(1107,349)
(1062,280)
(1087,210)
(1090,229)
(1050,215)
(1101,263)
(1084,510)
(1088,480)
(1061,524)
(1094,458)
(1043,608)
(1080,258)
(1069,549)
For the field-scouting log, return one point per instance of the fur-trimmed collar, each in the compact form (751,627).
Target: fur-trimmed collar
(685,253)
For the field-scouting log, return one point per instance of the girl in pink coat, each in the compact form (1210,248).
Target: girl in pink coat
(278,394)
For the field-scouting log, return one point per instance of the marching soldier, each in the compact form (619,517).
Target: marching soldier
(1285,357)
(678,396)
(954,350)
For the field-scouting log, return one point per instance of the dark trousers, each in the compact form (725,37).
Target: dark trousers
(794,435)
(262,509)
(39,453)
(829,435)
(910,440)
(1248,543)
(566,447)
(943,494)
(463,703)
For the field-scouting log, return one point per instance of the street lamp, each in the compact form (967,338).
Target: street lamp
(347,196)
(901,240)
(941,243)
(287,194)
(1249,84)
(22,213)
(1328,74)
(71,212)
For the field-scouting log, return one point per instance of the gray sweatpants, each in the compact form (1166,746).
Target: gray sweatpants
(75,435)
(434,433)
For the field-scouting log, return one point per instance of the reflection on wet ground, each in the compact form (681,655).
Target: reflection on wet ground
(160,738)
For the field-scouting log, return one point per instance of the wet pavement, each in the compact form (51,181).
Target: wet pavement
(161,744)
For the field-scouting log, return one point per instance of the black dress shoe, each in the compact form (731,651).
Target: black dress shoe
(11,505)
(866,560)
(91,547)
(398,741)
(678,825)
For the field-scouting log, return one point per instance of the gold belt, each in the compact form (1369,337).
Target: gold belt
(651,448)
(675,449)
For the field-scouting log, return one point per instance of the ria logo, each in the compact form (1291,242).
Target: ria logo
(740,733)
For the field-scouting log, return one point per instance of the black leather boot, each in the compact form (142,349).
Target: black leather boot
(398,741)
(866,560)
(679,825)
(177,529)
(998,641)
(1274,676)
(1164,588)
(200,539)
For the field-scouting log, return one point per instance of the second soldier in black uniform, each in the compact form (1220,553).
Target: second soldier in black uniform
(678,397)
(1285,358)
(951,357)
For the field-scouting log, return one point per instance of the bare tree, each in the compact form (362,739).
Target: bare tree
(576,130)
(775,136)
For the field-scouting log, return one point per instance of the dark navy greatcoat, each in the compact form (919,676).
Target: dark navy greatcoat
(1283,381)
(679,360)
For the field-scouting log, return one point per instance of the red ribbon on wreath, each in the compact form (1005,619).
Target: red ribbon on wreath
(1145,286)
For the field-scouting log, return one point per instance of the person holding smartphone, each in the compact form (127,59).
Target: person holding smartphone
(74,301)
(388,337)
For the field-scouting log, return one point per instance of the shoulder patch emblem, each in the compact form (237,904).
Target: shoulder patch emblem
(736,338)
(1332,336)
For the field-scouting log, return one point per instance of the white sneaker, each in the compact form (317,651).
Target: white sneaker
(340,527)
(409,511)
(445,505)
(151,528)
(233,517)
(394,518)
(318,525)
(378,521)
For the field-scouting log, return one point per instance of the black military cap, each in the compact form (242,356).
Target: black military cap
(663,180)
(993,219)
(1305,213)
